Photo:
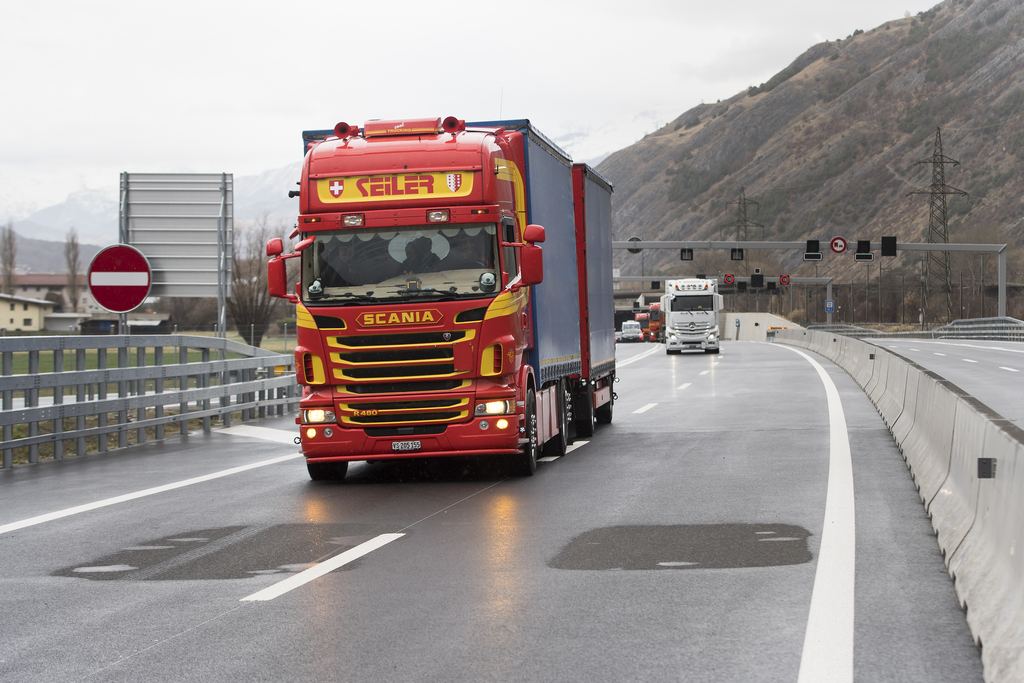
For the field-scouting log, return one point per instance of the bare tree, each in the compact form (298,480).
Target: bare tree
(190,313)
(71,262)
(8,255)
(250,306)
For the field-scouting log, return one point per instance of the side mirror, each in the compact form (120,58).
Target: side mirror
(305,244)
(532,262)
(275,247)
(533,233)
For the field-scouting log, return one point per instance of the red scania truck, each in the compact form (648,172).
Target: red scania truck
(430,321)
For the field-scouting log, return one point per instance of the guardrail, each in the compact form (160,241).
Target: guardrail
(968,465)
(196,380)
(994,329)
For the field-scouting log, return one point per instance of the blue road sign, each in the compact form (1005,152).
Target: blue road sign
(830,306)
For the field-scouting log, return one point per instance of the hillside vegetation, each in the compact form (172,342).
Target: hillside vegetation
(829,147)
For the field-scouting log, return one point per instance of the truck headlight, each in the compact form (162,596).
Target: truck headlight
(315,415)
(494,408)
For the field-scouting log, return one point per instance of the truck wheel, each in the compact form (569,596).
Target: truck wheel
(527,462)
(585,413)
(327,471)
(556,445)
(604,413)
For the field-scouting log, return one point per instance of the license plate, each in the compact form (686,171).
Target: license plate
(405,445)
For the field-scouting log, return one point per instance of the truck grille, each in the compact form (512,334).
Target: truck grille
(691,327)
(392,340)
(405,356)
(398,412)
(393,355)
(386,372)
(404,387)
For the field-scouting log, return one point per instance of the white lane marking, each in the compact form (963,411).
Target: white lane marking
(683,386)
(104,570)
(568,450)
(644,409)
(915,349)
(318,570)
(936,353)
(636,358)
(265,433)
(1010,369)
(676,564)
(578,444)
(968,360)
(977,346)
(828,642)
(78,509)
(705,372)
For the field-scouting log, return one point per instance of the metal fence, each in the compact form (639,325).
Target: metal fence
(171,379)
(994,329)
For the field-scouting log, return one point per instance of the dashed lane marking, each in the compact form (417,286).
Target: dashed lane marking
(568,449)
(644,409)
(683,386)
(634,359)
(1010,369)
(325,567)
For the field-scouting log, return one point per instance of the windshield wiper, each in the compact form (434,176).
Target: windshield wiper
(346,295)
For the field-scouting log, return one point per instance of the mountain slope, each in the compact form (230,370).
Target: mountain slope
(828,147)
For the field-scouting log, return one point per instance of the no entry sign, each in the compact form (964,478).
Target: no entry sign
(119,278)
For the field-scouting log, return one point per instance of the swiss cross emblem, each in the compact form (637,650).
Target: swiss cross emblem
(454,181)
(337,187)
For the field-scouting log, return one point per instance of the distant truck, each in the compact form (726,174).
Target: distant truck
(645,325)
(427,326)
(690,309)
(654,322)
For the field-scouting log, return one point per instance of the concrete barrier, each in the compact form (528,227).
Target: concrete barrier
(892,398)
(992,554)
(876,387)
(901,428)
(929,443)
(942,432)
(954,504)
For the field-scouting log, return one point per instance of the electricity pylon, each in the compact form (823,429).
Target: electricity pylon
(938,228)
(742,223)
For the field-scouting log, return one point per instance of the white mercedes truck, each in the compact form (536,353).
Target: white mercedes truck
(690,310)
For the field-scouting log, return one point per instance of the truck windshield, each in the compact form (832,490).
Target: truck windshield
(701,302)
(412,261)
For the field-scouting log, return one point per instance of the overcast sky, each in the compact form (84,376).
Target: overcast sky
(91,89)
